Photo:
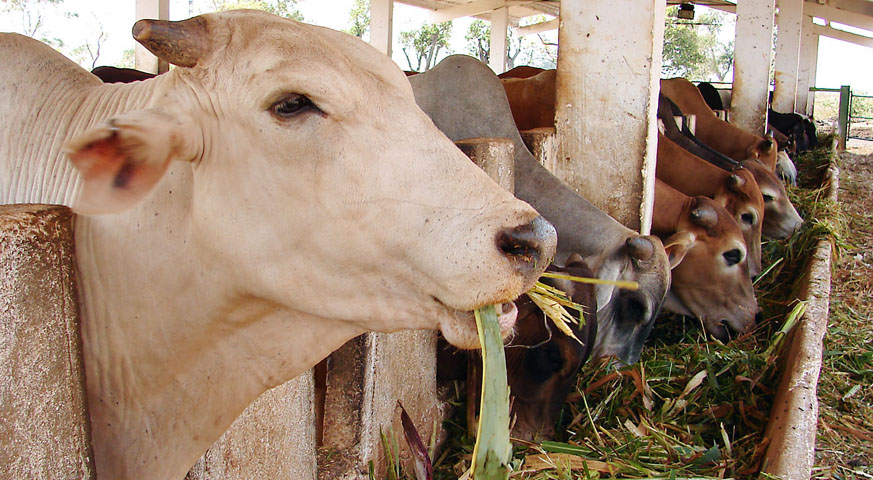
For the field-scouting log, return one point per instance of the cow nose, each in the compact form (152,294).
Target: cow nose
(531,247)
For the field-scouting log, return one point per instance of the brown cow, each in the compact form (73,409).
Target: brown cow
(522,71)
(715,132)
(737,191)
(712,280)
(532,100)
(780,217)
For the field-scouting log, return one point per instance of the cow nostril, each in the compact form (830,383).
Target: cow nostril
(532,244)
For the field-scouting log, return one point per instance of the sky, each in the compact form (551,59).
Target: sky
(839,63)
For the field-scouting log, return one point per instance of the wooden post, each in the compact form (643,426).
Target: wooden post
(155,9)
(499,24)
(754,39)
(788,40)
(844,115)
(609,65)
(44,424)
(381,25)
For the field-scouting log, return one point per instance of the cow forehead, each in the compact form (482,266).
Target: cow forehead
(268,50)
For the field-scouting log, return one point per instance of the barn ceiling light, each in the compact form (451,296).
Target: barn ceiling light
(686,11)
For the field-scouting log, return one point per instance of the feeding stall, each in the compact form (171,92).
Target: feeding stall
(604,146)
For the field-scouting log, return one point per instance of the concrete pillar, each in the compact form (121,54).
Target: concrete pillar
(155,9)
(273,438)
(44,425)
(543,145)
(807,70)
(382,25)
(365,379)
(788,39)
(609,65)
(752,53)
(499,24)
(496,156)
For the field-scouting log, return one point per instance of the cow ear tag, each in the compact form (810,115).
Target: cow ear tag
(122,159)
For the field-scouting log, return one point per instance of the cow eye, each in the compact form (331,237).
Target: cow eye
(292,105)
(733,257)
(768,198)
(748,218)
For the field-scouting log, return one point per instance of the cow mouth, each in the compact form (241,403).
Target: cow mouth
(459,327)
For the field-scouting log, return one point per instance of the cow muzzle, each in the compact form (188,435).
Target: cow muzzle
(529,247)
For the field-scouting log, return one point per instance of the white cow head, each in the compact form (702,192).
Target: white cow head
(318,184)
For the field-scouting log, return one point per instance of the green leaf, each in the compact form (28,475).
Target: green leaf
(493,451)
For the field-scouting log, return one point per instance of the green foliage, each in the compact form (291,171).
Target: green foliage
(520,50)
(359,17)
(693,50)
(283,8)
(425,44)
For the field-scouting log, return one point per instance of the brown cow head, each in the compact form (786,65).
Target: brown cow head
(781,219)
(542,362)
(712,281)
(741,196)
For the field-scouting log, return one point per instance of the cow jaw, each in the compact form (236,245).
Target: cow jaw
(459,328)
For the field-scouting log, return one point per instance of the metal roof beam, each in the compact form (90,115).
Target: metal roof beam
(834,14)
(842,35)
(477,7)
(538,27)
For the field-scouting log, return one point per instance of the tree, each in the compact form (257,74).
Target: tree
(519,49)
(283,8)
(692,48)
(32,13)
(425,44)
(359,18)
(89,52)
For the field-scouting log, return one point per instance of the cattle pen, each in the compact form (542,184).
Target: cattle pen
(692,407)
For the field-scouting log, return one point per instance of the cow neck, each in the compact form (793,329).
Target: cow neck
(670,206)
(582,227)
(174,364)
(687,172)
(74,108)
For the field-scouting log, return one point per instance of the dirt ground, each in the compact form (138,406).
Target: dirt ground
(845,432)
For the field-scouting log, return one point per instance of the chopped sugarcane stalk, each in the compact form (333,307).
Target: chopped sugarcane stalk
(493,451)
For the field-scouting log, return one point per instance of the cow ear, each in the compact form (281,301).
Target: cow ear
(676,246)
(122,159)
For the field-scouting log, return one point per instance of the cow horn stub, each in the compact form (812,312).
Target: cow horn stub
(735,182)
(640,248)
(704,216)
(182,43)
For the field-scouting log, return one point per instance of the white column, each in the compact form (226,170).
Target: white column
(499,24)
(381,25)
(788,39)
(609,64)
(808,64)
(155,9)
(754,40)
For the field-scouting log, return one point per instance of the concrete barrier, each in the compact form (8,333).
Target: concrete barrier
(543,144)
(793,423)
(44,427)
(273,438)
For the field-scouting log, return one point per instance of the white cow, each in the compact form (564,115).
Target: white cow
(276,195)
